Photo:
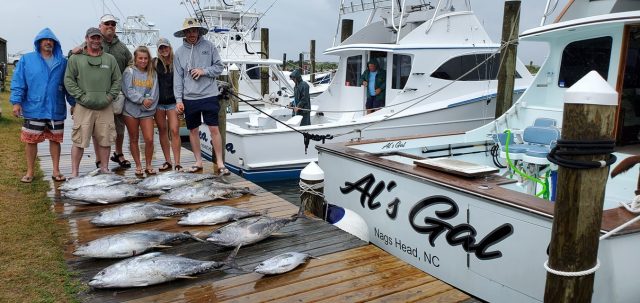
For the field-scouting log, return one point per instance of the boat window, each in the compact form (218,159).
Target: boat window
(581,57)
(401,71)
(482,66)
(354,68)
(253,71)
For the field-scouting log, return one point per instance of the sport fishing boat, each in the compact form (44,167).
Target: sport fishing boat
(440,67)
(469,210)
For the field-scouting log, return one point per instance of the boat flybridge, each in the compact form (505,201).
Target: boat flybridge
(234,31)
(138,31)
(475,210)
(440,67)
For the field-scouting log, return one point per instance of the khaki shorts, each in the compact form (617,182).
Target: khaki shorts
(89,123)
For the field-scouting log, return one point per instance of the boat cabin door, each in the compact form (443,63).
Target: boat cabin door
(381,59)
(628,125)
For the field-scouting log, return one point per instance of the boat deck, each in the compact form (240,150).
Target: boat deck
(490,187)
(346,270)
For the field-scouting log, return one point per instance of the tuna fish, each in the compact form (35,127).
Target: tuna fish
(282,263)
(204,191)
(172,179)
(136,213)
(130,243)
(152,268)
(212,215)
(250,230)
(110,193)
(92,178)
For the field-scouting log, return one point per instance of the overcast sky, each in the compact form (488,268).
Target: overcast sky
(291,23)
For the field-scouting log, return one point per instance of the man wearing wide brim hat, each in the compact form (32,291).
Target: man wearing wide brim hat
(196,66)
(191,23)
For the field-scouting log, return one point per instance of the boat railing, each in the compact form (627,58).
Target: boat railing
(400,10)
(363,6)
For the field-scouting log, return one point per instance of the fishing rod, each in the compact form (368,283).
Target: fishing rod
(264,14)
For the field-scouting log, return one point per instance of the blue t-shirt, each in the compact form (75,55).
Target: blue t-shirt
(372,83)
(49,62)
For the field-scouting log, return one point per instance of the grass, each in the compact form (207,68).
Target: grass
(32,266)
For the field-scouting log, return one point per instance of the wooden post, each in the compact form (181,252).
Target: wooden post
(589,114)
(346,29)
(264,71)
(284,61)
(301,63)
(312,60)
(312,187)
(234,78)
(507,71)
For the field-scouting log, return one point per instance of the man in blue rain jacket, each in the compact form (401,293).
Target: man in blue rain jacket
(38,95)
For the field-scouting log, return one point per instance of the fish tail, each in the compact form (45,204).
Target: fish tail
(300,213)
(193,237)
(230,260)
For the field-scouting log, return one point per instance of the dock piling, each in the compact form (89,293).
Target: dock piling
(312,61)
(347,29)
(312,188)
(507,70)
(264,71)
(589,117)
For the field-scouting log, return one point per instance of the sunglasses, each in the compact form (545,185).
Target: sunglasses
(163,47)
(110,23)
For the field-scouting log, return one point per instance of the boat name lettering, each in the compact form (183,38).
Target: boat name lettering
(462,234)
(229,147)
(369,195)
(397,144)
(203,137)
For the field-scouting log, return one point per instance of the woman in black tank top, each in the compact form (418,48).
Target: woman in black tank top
(166,115)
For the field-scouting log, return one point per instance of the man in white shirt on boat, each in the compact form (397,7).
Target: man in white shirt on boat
(374,81)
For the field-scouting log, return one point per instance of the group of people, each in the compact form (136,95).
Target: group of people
(108,89)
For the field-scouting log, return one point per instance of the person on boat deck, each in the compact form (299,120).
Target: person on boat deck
(140,87)
(301,99)
(374,80)
(93,79)
(113,46)
(196,66)
(166,115)
(38,95)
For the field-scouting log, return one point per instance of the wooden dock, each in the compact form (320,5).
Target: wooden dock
(347,269)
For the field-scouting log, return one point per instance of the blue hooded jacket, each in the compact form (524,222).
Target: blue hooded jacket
(37,89)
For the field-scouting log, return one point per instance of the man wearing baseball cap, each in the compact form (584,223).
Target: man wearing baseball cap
(93,79)
(112,45)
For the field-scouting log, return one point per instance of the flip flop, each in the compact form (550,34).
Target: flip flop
(223,171)
(178,167)
(139,172)
(149,171)
(195,169)
(26,179)
(59,178)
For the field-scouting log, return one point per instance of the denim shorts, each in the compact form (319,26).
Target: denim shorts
(196,111)
(166,107)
